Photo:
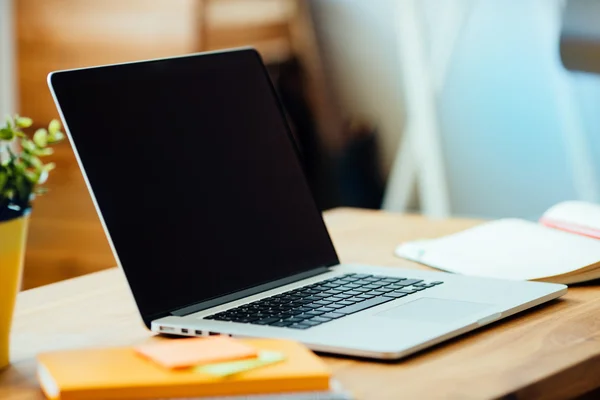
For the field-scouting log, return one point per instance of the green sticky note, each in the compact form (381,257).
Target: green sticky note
(265,357)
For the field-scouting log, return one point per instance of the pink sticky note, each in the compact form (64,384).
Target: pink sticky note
(181,353)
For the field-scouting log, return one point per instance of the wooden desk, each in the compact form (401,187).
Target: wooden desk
(551,352)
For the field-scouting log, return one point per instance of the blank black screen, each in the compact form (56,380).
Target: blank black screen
(195,174)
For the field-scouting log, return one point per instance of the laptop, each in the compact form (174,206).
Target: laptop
(199,186)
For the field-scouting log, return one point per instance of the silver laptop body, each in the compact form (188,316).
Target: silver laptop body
(272,270)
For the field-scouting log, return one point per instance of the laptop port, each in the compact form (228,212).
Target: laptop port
(197,332)
(166,329)
(184,331)
(213,333)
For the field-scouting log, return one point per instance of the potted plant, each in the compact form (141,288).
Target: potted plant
(21,175)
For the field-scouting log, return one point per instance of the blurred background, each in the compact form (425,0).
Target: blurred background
(474,108)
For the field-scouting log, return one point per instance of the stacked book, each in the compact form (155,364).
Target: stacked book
(212,367)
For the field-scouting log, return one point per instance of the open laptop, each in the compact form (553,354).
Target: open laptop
(201,192)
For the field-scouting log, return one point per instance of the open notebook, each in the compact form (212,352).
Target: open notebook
(564,247)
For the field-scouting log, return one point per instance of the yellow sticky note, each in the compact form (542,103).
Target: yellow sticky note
(181,353)
(265,357)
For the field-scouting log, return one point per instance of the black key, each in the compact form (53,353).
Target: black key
(223,318)
(385,289)
(299,326)
(361,275)
(341,296)
(362,290)
(209,317)
(296,320)
(349,300)
(313,306)
(372,279)
(365,296)
(310,322)
(349,280)
(332,299)
(281,323)
(321,302)
(246,320)
(418,288)
(333,291)
(426,286)
(303,309)
(333,315)
(373,286)
(407,291)
(407,282)
(320,295)
(375,292)
(437,283)
(314,313)
(353,292)
(345,303)
(279,315)
(395,286)
(364,305)
(325,309)
(336,306)
(266,321)
(313,298)
(356,299)
(395,295)
(393,280)
(320,319)
(350,286)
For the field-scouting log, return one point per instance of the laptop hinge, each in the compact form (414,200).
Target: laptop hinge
(247,292)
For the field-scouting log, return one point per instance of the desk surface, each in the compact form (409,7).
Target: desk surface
(550,352)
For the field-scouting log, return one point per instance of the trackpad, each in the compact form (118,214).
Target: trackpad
(434,310)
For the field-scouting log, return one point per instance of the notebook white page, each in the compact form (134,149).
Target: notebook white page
(578,213)
(506,248)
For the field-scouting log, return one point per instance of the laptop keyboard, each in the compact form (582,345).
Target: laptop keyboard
(323,301)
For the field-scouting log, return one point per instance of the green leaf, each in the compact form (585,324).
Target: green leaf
(3,180)
(32,161)
(6,134)
(44,152)
(28,145)
(40,138)
(24,186)
(23,122)
(32,176)
(54,127)
(57,137)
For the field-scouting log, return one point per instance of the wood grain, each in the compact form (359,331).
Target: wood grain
(551,352)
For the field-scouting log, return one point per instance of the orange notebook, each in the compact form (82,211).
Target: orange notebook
(120,373)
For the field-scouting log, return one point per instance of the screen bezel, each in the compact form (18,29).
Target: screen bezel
(147,318)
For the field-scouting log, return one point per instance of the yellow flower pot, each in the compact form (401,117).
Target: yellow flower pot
(13,234)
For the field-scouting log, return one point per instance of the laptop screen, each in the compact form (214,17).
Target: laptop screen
(194,171)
